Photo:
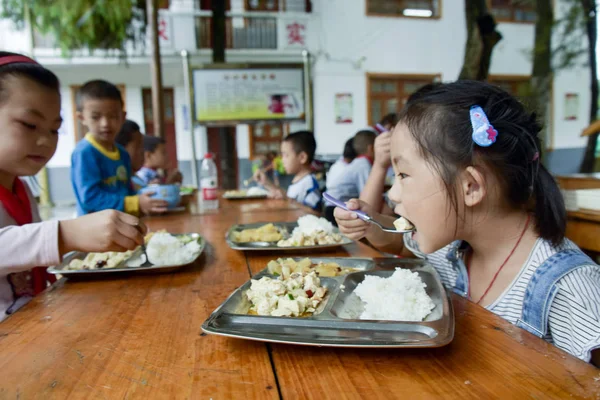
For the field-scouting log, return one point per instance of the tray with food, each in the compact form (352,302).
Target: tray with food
(245,194)
(339,302)
(164,251)
(309,232)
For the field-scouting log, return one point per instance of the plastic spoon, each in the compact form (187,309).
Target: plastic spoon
(361,214)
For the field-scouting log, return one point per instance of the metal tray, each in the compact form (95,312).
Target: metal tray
(336,322)
(122,268)
(272,246)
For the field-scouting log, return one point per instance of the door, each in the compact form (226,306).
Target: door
(222,144)
(170,134)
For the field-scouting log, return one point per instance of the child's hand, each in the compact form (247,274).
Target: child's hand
(349,223)
(174,176)
(107,230)
(382,150)
(277,194)
(260,177)
(149,205)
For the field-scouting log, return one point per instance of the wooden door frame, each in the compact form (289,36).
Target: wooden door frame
(285,130)
(371,75)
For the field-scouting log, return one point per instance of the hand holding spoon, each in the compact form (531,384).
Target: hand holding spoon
(362,215)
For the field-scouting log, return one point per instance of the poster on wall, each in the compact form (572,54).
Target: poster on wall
(343,108)
(249,94)
(571,106)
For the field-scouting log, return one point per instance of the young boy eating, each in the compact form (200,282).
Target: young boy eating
(100,168)
(297,153)
(155,159)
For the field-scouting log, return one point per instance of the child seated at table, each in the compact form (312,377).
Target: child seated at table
(297,153)
(351,182)
(29,121)
(155,161)
(101,168)
(487,213)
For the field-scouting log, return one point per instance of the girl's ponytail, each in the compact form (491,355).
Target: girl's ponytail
(549,212)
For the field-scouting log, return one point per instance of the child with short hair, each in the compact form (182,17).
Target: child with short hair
(337,171)
(29,123)
(131,138)
(349,184)
(487,214)
(297,153)
(155,159)
(101,169)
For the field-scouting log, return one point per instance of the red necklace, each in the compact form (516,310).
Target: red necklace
(502,266)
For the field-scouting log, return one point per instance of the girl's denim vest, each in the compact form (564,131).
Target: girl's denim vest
(540,291)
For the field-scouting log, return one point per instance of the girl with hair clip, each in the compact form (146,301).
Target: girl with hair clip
(487,214)
(29,123)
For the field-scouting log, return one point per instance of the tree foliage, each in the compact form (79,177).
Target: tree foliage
(81,24)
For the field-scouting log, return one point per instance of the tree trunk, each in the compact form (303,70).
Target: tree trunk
(156,70)
(226,158)
(481,39)
(589,158)
(541,76)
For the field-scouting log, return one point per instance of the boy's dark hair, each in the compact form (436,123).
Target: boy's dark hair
(97,89)
(362,141)
(29,70)
(125,135)
(438,120)
(389,119)
(152,142)
(349,152)
(303,141)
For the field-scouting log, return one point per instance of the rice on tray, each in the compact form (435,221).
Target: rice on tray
(165,249)
(401,297)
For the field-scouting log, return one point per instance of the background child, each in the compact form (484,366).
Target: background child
(100,168)
(29,123)
(155,161)
(349,184)
(131,139)
(337,170)
(297,153)
(488,215)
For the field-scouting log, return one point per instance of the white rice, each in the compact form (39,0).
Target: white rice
(256,191)
(166,249)
(401,297)
(309,225)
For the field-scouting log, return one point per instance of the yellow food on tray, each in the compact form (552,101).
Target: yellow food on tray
(298,295)
(266,233)
(92,261)
(286,266)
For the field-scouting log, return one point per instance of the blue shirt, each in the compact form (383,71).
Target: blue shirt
(101,179)
(306,191)
(146,175)
(350,183)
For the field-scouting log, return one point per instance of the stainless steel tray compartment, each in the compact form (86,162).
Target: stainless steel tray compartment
(272,246)
(337,324)
(122,267)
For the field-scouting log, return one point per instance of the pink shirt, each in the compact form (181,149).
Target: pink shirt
(22,248)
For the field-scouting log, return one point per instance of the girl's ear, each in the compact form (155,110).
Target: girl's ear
(473,186)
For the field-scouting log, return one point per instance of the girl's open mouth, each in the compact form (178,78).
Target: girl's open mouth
(403,224)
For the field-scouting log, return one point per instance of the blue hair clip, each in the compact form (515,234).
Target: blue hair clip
(484,133)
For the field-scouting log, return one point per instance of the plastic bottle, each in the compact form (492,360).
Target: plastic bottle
(209,183)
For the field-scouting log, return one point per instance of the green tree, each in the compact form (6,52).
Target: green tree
(82,24)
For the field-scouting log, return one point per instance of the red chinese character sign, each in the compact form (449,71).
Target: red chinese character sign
(295,33)
(292,33)
(165,35)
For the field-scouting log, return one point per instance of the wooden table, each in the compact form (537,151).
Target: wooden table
(583,226)
(139,337)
